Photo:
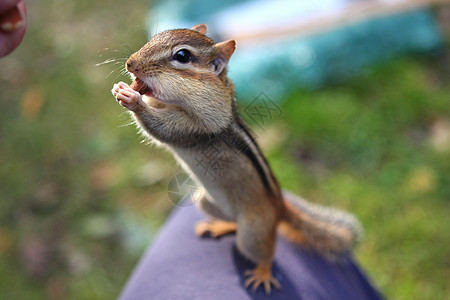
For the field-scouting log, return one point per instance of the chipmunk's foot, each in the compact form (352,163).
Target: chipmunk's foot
(214,228)
(261,275)
(126,96)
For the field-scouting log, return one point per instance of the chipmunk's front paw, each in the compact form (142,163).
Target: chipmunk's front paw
(126,96)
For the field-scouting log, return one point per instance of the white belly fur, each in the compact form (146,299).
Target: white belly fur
(204,179)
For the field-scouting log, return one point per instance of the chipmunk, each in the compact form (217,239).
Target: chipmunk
(182,98)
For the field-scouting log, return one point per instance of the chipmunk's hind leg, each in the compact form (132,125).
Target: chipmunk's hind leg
(256,241)
(215,228)
(219,224)
(261,275)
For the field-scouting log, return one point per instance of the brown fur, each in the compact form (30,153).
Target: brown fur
(192,111)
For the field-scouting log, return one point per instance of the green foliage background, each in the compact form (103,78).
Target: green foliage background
(81,197)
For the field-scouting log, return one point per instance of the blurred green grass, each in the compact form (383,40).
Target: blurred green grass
(81,197)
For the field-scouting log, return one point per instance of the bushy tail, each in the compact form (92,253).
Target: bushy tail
(328,231)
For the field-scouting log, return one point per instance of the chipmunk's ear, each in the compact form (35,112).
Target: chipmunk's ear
(202,28)
(225,50)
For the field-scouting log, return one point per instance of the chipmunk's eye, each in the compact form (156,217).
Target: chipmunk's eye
(183,56)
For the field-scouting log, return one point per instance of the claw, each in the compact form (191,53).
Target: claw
(261,275)
(201,229)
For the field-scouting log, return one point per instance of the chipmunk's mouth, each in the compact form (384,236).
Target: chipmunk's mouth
(140,86)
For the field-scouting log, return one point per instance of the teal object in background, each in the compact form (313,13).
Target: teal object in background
(334,56)
(306,61)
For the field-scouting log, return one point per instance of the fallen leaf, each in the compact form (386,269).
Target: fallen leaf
(32,102)
(421,180)
(56,288)
(6,240)
(36,256)
(103,175)
(440,135)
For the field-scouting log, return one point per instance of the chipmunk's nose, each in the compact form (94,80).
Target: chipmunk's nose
(131,64)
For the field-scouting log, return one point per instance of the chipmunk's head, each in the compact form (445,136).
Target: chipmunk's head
(183,74)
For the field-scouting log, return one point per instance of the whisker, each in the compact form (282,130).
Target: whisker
(113,61)
(126,124)
(154,20)
(121,73)
(109,51)
(115,58)
(118,69)
(144,30)
(111,57)
(111,73)
(124,45)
